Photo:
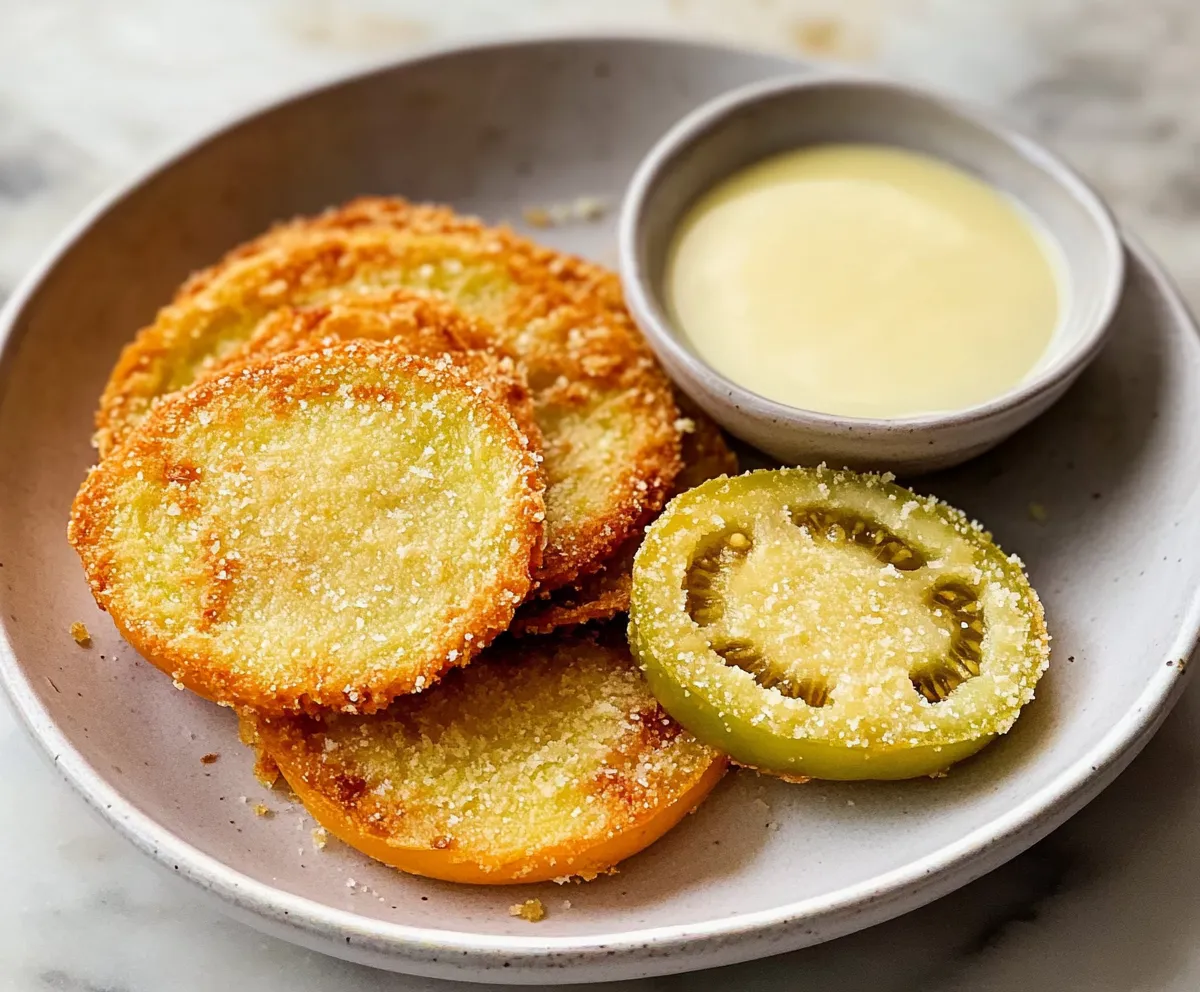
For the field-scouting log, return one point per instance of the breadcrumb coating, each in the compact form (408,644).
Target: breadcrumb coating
(604,592)
(544,759)
(531,910)
(599,595)
(329,528)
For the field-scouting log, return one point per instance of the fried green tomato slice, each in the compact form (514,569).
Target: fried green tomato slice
(330,528)
(825,624)
(544,759)
(604,407)
(603,593)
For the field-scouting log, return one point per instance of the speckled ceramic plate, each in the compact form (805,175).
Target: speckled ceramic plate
(763,867)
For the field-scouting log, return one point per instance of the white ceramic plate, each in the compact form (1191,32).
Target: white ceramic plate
(763,867)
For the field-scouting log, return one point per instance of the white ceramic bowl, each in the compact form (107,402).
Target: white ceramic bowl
(764,118)
(495,129)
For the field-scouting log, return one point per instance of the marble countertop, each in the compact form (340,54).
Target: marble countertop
(89,92)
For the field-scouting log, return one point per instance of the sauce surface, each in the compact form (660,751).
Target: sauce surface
(865,281)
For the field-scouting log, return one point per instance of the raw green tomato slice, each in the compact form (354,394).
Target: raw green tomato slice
(826,624)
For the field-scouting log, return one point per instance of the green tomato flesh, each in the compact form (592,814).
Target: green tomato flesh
(826,624)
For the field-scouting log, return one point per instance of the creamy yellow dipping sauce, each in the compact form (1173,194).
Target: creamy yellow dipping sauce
(865,281)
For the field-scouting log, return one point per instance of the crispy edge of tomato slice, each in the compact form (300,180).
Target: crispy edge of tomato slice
(450,865)
(799,759)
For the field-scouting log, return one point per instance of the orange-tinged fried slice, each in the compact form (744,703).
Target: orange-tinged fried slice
(544,759)
(603,404)
(328,528)
(604,593)
(405,320)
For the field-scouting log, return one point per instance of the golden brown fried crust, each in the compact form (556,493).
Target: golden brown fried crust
(547,758)
(571,280)
(408,321)
(630,489)
(502,380)
(603,593)
(418,218)
(603,404)
(232,557)
(599,595)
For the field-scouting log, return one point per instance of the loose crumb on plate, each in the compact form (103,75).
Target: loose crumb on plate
(531,910)
(582,208)
(320,837)
(1038,513)
(262,809)
(209,758)
(536,216)
(81,634)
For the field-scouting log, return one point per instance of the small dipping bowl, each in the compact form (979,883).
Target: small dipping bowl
(755,122)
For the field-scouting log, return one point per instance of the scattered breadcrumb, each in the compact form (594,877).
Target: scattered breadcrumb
(566,904)
(531,910)
(320,837)
(582,208)
(1038,513)
(261,809)
(209,758)
(536,217)
(81,634)
(590,208)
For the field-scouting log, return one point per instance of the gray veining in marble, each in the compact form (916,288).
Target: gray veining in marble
(90,91)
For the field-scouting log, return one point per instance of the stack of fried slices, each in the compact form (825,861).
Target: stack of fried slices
(343,462)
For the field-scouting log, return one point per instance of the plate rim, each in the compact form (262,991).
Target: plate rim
(758,930)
